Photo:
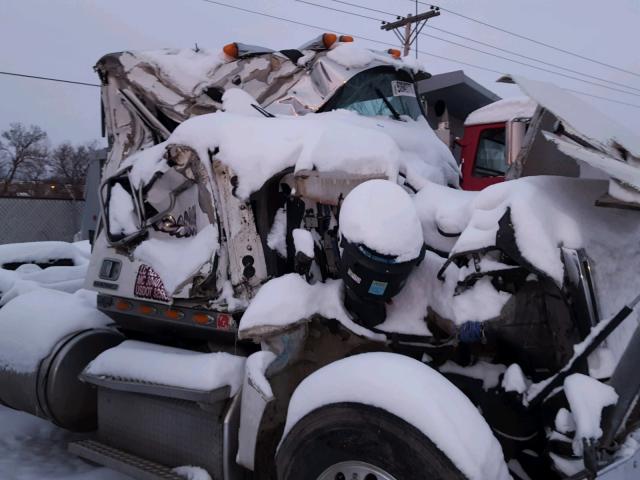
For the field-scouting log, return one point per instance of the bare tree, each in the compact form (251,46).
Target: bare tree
(23,154)
(70,165)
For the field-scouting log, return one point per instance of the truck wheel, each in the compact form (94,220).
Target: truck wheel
(349,441)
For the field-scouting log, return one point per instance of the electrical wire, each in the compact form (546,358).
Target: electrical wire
(423,52)
(538,42)
(50,79)
(496,47)
(571,77)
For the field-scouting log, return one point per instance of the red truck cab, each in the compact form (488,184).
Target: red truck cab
(492,139)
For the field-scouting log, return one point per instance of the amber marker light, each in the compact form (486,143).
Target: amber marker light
(346,38)
(173,314)
(231,50)
(123,306)
(329,39)
(394,53)
(201,318)
(146,309)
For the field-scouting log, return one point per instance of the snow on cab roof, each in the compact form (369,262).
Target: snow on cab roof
(257,148)
(502,111)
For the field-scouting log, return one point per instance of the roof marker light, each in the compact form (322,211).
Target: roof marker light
(394,53)
(329,39)
(231,50)
(346,38)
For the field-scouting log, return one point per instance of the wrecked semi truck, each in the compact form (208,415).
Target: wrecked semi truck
(293,287)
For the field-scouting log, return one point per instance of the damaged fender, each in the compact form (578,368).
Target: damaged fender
(413,392)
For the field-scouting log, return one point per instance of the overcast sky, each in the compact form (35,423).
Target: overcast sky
(64,38)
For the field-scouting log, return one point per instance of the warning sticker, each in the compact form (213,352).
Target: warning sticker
(402,89)
(149,285)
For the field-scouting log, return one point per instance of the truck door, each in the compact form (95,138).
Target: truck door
(483,156)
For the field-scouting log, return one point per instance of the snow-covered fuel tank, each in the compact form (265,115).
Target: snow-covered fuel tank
(380,243)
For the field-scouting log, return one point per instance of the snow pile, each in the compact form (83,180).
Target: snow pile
(176,260)
(184,69)
(236,100)
(338,140)
(351,56)
(587,397)
(122,215)
(443,209)
(277,238)
(39,319)
(44,252)
(582,117)
(289,299)
(381,215)
(192,473)
(303,242)
(415,393)
(514,379)
(502,111)
(34,449)
(489,373)
(174,367)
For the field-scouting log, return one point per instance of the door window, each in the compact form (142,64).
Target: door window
(491,159)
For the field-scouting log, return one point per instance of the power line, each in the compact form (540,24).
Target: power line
(481,51)
(50,79)
(423,52)
(531,39)
(495,47)
(341,11)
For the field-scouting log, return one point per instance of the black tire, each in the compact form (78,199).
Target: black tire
(355,432)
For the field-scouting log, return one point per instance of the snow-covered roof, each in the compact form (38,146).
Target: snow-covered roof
(502,111)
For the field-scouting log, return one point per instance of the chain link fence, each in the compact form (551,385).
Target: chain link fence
(26,219)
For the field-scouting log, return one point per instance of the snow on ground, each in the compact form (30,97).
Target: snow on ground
(30,276)
(174,367)
(34,449)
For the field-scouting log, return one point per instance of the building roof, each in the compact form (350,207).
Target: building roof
(461,94)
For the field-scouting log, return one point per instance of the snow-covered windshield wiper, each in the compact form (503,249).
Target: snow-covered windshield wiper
(386,101)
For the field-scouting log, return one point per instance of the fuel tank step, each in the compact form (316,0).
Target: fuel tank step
(122,461)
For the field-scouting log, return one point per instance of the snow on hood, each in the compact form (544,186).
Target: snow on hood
(380,214)
(256,148)
(502,111)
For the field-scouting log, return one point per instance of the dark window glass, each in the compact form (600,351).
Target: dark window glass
(366,93)
(491,158)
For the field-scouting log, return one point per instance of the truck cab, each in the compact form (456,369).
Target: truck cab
(493,137)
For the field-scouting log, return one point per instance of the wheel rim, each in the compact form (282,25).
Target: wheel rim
(355,470)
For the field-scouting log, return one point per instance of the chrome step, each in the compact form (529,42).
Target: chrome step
(121,461)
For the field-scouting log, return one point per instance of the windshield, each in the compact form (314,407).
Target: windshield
(379,91)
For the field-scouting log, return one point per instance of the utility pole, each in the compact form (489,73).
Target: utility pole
(413,25)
